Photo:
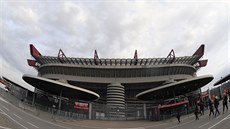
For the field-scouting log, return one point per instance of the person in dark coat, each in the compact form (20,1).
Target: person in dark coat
(201,104)
(178,116)
(196,112)
(225,101)
(211,108)
(216,104)
(228,92)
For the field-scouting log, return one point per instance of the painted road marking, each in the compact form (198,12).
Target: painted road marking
(3,100)
(15,121)
(155,125)
(4,127)
(38,118)
(128,128)
(1,111)
(203,125)
(33,125)
(228,117)
(5,108)
(180,124)
(18,116)
(219,121)
(91,127)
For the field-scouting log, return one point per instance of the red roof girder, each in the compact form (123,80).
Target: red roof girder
(32,63)
(34,52)
(199,51)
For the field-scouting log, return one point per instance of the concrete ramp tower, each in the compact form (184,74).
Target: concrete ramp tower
(116,100)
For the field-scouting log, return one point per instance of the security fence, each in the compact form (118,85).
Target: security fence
(76,110)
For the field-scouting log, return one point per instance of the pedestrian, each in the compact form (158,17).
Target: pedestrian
(228,92)
(225,101)
(170,113)
(196,112)
(186,108)
(211,109)
(178,116)
(201,104)
(216,104)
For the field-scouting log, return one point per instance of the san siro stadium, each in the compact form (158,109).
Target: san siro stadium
(121,89)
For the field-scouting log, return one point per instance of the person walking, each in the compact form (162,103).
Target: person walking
(196,112)
(201,104)
(178,116)
(210,104)
(216,104)
(225,101)
(228,92)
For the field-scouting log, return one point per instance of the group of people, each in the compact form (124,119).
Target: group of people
(213,105)
(199,108)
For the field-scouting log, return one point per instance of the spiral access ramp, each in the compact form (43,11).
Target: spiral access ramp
(116,100)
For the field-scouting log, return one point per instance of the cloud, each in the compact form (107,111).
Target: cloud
(11,72)
(115,29)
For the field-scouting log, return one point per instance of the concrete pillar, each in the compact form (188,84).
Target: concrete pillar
(221,92)
(116,100)
(26,93)
(59,106)
(90,111)
(174,97)
(34,96)
(144,107)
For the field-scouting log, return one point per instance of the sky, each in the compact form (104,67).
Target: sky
(115,28)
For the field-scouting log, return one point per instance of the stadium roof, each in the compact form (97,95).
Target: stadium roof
(170,59)
(59,88)
(222,80)
(179,88)
(13,83)
(90,61)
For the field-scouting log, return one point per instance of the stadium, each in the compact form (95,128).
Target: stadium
(123,89)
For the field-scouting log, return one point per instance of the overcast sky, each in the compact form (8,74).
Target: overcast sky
(115,29)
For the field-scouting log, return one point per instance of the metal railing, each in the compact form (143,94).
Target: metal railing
(99,111)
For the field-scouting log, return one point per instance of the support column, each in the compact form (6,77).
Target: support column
(59,106)
(174,97)
(26,93)
(90,111)
(209,95)
(221,92)
(34,96)
(144,107)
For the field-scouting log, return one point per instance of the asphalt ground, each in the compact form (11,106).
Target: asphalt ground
(12,117)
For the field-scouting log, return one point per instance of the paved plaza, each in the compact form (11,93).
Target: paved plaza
(12,117)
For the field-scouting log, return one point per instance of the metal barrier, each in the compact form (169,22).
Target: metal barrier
(95,111)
